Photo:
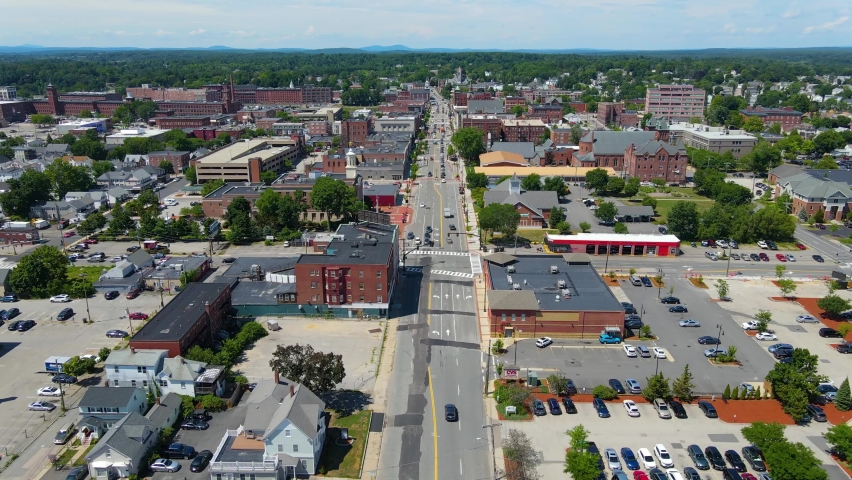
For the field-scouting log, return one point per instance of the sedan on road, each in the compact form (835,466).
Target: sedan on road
(689,323)
(801,247)
(806,319)
(62,298)
(708,340)
(117,334)
(766,336)
(678,309)
(791,258)
(165,465)
(543,342)
(764,257)
(777,346)
(632,409)
(755,257)
(670,300)
(112,294)
(781,258)
(41,406)
(818,258)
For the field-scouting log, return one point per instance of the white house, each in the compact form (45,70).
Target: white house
(121,450)
(133,367)
(282,436)
(112,403)
(178,376)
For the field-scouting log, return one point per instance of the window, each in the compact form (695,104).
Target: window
(504,317)
(115,369)
(144,383)
(379,286)
(183,385)
(349,298)
(281,446)
(523,317)
(133,383)
(379,299)
(287,433)
(349,285)
(164,383)
(333,274)
(115,383)
(334,299)
(313,284)
(362,298)
(379,274)
(141,369)
(361,286)
(295,447)
(304,464)
(361,273)
(108,453)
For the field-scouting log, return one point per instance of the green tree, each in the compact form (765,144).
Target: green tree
(795,382)
(556,215)
(65,178)
(726,395)
(85,114)
(41,119)
(657,386)
(240,229)
(168,167)
(564,228)
(29,189)
(477,180)
(606,211)
(579,463)
(722,288)
(620,228)
(763,318)
(518,110)
(78,367)
(499,217)
(121,221)
(100,167)
(190,175)
(753,125)
(330,195)
(519,450)
(787,286)
(103,353)
(555,184)
(41,273)
(317,371)
(840,437)
(614,185)
(585,227)
(833,304)
(92,223)
(531,182)
(826,163)
(268,177)
(90,148)
(468,142)
(269,205)
(576,134)
(683,386)
(604,392)
(631,188)
(211,186)
(827,141)
(762,435)
(649,201)
(682,220)
(597,179)
(793,461)
(843,400)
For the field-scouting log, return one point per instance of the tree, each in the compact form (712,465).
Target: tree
(169,167)
(103,353)
(795,382)
(269,205)
(557,382)
(499,217)
(826,163)
(787,286)
(576,133)
(212,186)
(620,228)
(100,167)
(317,371)
(65,178)
(41,119)
(840,437)
(763,318)
(753,125)
(91,224)
(267,177)
(240,229)
(524,458)
(604,392)
(631,188)
(330,195)
(585,227)
(121,221)
(85,114)
(518,110)
(531,183)
(833,304)
(733,194)
(468,142)
(555,184)
(556,215)
(190,175)
(614,185)
(597,179)
(78,367)
(42,273)
(657,386)
(683,386)
(843,400)
(762,435)
(581,464)
(649,201)
(827,141)
(682,220)
(606,211)
(477,180)
(793,461)
(722,289)
(29,189)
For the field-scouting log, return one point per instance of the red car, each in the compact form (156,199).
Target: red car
(801,247)
(763,256)
(780,257)
(138,316)
(640,475)
(747,476)
(132,294)
(69,233)
(90,241)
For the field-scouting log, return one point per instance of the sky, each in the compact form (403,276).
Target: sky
(469,24)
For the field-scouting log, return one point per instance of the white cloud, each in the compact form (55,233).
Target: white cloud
(791,14)
(240,33)
(122,33)
(759,30)
(729,28)
(197,32)
(826,26)
(161,33)
(309,31)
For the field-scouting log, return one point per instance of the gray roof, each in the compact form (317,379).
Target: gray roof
(485,106)
(654,146)
(817,188)
(512,299)
(615,143)
(179,368)
(143,357)
(270,404)
(536,201)
(585,290)
(125,437)
(635,211)
(167,271)
(109,396)
(161,411)
(363,243)
(500,258)
(259,293)
(118,192)
(786,170)
(524,149)
(577,258)
(242,265)
(381,189)
(140,258)
(180,315)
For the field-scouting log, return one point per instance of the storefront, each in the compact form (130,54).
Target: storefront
(614,244)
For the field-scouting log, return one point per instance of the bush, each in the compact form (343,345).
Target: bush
(604,392)
(735,393)
(212,403)
(727,393)
(104,353)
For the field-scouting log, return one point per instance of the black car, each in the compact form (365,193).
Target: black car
(657,474)
(752,456)
(633,323)
(229,260)
(65,314)
(628,307)
(570,387)
(708,409)
(553,406)
(707,340)
(735,460)
(698,458)
(78,473)
(816,413)
(25,325)
(646,281)
(451,413)
(201,461)
(690,473)
(842,348)
(617,386)
(569,405)
(194,425)
(755,257)
(178,450)
(111,294)
(592,448)
(715,458)
(823,332)
(14,325)
(600,407)
(818,258)
(678,309)
(677,409)
(9,314)
(117,334)
(783,353)
(133,248)
(64,378)
(9,298)
(670,300)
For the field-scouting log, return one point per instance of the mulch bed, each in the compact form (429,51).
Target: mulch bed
(784,299)
(749,411)
(695,283)
(610,282)
(810,304)
(835,416)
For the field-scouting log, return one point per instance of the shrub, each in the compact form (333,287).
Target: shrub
(104,353)
(212,403)
(735,394)
(604,392)
(727,393)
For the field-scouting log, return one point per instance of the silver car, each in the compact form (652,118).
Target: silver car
(612,459)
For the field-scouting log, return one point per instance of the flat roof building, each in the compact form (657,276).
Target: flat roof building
(244,161)
(122,135)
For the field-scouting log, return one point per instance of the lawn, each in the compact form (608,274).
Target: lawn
(345,461)
(91,274)
(666,204)
(535,235)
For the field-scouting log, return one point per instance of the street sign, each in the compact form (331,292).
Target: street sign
(510,373)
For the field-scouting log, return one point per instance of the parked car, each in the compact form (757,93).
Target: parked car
(773,348)
(791,258)
(132,294)
(633,386)
(569,405)
(806,319)
(677,409)
(25,325)
(64,378)
(9,314)
(117,334)
(713,352)
(543,342)
(659,352)
(138,316)
(763,257)
(629,350)
(753,457)
(816,413)
(646,281)
(617,386)
(612,460)
(49,391)
(646,459)
(735,460)
(538,408)
(766,336)
(600,408)
(41,407)
(708,340)
(755,257)
(663,455)
(78,473)
(570,387)
(632,409)
(708,409)
(781,258)
(829,333)
(678,309)
(553,406)
(10,298)
(629,459)
(61,298)
(670,299)
(201,460)
(690,473)
(715,458)
(178,450)
(194,425)
(698,457)
(164,465)
(689,323)
(65,314)
(112,294)
(643,351)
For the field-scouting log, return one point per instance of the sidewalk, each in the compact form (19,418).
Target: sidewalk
(380,400)
(82,449)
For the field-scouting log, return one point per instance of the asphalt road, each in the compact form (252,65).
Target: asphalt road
(437,351)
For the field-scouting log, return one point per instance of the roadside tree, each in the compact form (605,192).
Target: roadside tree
(524,458)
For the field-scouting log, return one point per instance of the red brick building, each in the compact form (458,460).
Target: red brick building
(354,131)
(180,160)
(460,99)
(787,117)
(610,113)
(514,102)
(579,107)
(318,127)
(520,130)
(168,123)
(656,159)
(547,113)
(487,124)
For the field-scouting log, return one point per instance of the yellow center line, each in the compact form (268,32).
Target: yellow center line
(434,421)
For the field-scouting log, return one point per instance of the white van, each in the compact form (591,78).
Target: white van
(635,280)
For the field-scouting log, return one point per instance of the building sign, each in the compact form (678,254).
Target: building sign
(510,373)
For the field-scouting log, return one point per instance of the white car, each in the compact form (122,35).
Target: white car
(543,342)
(171,202)
(658,352)
(165,465)
(762,244)
(750,325)
(663,455)
(646,458)
(673,474)
(91,357)
(766,336)
(443,180)
(632,409)
(61,298)
(48,392)
(422,205)
(629,350)
(41,406)
(806,319)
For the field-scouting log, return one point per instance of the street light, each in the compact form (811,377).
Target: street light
(718,340)
(86,297)
(728,268)
(515,362)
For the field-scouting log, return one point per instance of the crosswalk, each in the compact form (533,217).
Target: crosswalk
(476,264)
(452,274)
(438,252)
(7,265)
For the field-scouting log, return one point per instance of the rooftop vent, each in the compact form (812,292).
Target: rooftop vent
(561,283)
(554,269)
(515,286)
(509,278)
(510,269)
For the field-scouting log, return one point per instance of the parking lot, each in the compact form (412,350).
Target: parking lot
(548,437)
(358,342)
(576,213)
(22,356)
(573,357)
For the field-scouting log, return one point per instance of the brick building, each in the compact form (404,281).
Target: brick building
(520,130)
(655,159)
(159,94)
(168,123)
(607,148)
(353,131)
(245,161)
(318,127)
(610,113)
(514,102)
(787,117)
(812,193)
(491,126)
(460,99)
(677,102)
(560,136)
(180,160)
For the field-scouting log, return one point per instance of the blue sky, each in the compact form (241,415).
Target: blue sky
(500,24)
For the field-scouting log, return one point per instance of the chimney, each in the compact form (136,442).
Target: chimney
(277,378)
(158,400)
(182,361)
(292,390)
(133,350)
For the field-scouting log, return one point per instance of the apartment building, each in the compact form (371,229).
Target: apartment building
(522,130)
(787,117)
(679,103)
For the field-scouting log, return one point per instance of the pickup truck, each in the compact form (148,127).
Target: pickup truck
(607,338)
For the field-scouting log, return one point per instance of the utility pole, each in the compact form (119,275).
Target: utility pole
(61,392)
(487,367)
(493,457)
